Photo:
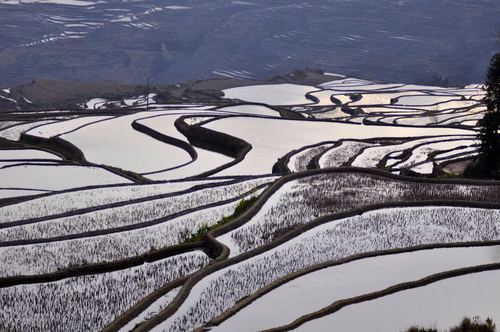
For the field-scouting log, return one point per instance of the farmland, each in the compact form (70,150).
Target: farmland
(287,206)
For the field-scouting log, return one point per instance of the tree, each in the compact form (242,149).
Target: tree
(489,151)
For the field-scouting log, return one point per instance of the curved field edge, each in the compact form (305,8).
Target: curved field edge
(212,249)
(124,202)
(72,153)
(338,305)
(184,292)
(240,305)
(133,226)
(215,141)
(199,275)
(98,268)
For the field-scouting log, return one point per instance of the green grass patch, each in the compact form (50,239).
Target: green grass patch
(242,206)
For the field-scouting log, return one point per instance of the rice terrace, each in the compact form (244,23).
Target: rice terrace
(273,206)
(243,166)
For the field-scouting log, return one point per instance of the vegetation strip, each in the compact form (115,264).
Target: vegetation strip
(117,204)
(127,227)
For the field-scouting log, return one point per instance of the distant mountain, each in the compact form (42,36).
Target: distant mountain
(424,41)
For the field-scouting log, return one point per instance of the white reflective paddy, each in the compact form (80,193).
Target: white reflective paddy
(269,144)
(440,305)
(319,289)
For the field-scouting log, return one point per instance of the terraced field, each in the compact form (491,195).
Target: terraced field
(280,207)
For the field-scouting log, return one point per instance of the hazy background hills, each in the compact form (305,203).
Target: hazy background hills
(424,41)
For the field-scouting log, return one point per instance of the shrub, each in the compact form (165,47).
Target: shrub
(242,206)
(467,325)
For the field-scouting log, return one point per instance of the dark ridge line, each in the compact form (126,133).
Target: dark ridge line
(409,111)
(13,125)
(39,163)
(84,125)
(138,308)
(430,105)
(20,199)
(369,122)
(184,117)
(72,153)
(465,128)
(410,108)
(27,189)
(221,117)
(126,228)
(34,160)
(281,166)
(243,303)
(466,155)
(441,164)
(352,112)
(204,116)
(180,298)
(228,114)
(66,111)
(400,108)
(354,123)
(23,199)
(282,111)
(32,122)
(338,305)
(336,101)
(439,161)
(75,212)
(314,164)
(287,114)
(451,161)
(315,100)
(199,275)
(407,153)
(323,110)
(215,141)
(391,90)
(220,254)
(106,267)
(374,144)
(278,168)
(345,170)
(451,110)
(6,144)
(63,148)
(437,153)
(458,117)
(391,114)
(164,138)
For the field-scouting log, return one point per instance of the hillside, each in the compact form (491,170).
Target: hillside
(424,41)
(309,201)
